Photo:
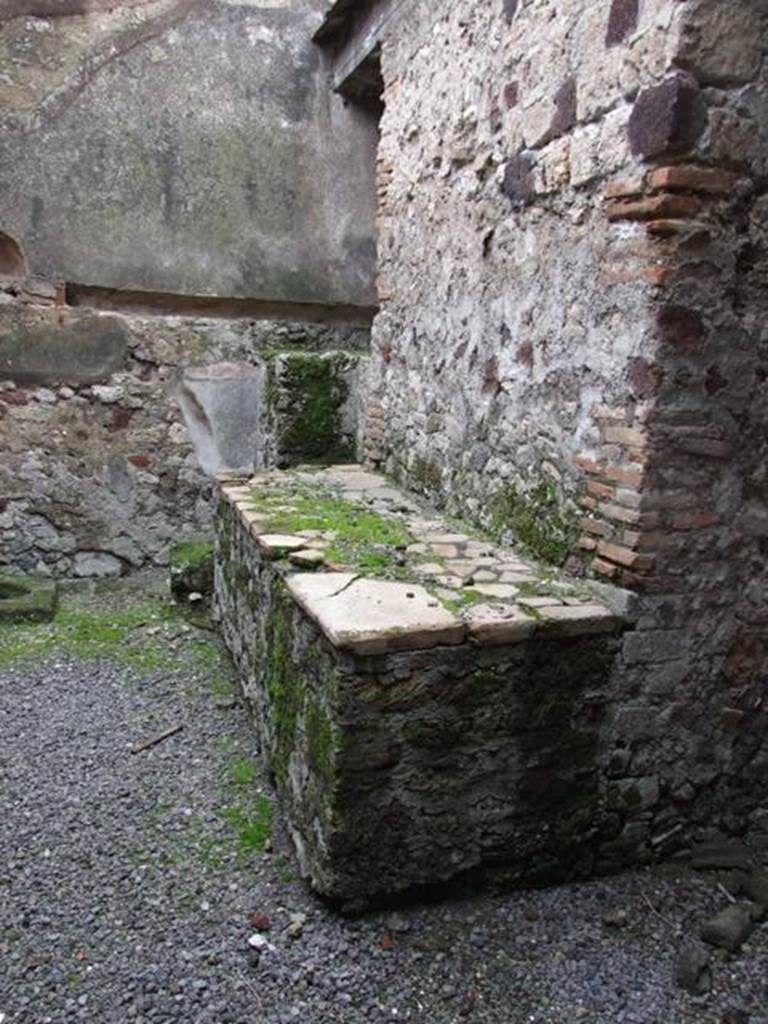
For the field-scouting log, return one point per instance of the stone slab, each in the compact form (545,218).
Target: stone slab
(25,599)
(491,624)
(307,559)
(275,545)
(82,351)
(370,616)
(577,620)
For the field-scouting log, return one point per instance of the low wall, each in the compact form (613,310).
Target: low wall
(413,755)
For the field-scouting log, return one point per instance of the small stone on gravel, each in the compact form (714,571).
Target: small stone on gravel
(692,968)
(728,929)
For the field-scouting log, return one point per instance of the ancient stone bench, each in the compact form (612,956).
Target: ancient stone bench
(431,704)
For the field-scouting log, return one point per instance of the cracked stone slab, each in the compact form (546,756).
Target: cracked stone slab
(370,616)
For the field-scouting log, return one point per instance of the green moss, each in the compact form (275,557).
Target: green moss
(319,733)
(537,519)
(363,541)
(252,825)
(190,554)
(284,686)
(464,599)
(241,771)
(310,428)
(26,599)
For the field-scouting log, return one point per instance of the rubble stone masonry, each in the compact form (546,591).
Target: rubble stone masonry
(573,232)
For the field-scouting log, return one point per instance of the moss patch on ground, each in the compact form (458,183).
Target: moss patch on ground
(247,812)
(88,633)
(118,623)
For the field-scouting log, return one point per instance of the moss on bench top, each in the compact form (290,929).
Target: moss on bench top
(347,520)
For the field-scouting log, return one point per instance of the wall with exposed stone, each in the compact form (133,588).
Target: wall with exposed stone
(186,266)
(572,341)
(113,426)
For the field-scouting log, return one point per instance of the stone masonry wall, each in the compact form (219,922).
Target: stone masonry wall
(100,468)
(573,257)
(186,157)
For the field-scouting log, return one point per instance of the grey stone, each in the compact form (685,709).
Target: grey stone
(96,563)
(633,795)
(729,929)
(692,968)
(721,855)
(82,351)
(756,886)
(491,624)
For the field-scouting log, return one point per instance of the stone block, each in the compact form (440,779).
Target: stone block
(223,405)
(26,599)
(83,350)
(190,565)
(729,929)
(313,406)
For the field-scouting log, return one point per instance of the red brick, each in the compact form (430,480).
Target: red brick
(620,275)
(648,541)
(590,525)
(630,477)
(706,446)
(604,568)
(654,208)
(695,521)
(659,276)
(587,464)
(624,556)
(599,490)
(587,543)
(693,179)
(667,228)
(626,435)
(14,397)
(625,187)
(631,499)
(621,515)
(587,502)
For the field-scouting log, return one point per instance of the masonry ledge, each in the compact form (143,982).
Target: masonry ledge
(451,586)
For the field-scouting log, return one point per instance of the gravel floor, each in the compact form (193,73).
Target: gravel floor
(125,895)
